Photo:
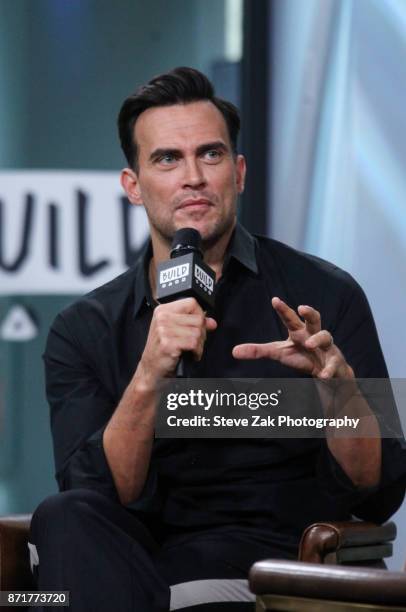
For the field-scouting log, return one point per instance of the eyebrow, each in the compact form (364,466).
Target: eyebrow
(217,144)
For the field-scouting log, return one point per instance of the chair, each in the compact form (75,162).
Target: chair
(319,582)
(346,542)
(15,573)
(292,586)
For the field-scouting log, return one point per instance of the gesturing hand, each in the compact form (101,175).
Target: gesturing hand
(308,348)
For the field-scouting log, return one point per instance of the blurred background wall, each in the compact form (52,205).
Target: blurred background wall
(65,68)
(321,86)
(337,157)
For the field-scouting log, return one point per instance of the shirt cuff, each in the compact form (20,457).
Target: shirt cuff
(336,483)
(87,468)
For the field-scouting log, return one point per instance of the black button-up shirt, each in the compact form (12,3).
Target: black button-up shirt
(279,486)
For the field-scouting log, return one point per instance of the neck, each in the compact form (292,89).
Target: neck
(215,254)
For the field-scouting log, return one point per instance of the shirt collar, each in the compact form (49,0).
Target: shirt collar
(241,248)
(142,287)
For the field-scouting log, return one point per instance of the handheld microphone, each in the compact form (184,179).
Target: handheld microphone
(186,275)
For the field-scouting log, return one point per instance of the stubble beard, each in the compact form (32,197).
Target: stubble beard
(217,230)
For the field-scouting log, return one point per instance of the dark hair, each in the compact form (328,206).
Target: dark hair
(179,86)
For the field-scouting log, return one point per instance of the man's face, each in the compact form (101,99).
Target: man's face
(187,175)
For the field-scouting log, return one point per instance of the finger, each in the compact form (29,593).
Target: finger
(190,320)
(167,319)
(197,346)
(287,315)
(188,340)
(211,324)
(322,340)
(312,318)
(270,350)
(185,305)
(330,368)
(197,342)
(190,305)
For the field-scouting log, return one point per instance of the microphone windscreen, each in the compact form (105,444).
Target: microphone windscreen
(186,237)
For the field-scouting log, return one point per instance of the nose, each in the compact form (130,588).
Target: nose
(194,174)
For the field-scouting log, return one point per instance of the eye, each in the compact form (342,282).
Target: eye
(167,159)
(212,155)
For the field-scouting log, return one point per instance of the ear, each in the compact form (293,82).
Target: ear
(130,184)
(241,169)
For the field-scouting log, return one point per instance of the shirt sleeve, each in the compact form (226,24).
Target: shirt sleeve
(81,407)
(376,504)
(355,334)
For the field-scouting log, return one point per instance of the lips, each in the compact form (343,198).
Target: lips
(195,202)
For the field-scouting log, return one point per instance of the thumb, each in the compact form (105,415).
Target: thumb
(211,324)
(251,351)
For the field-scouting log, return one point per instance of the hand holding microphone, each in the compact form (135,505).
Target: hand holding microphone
(185,289)
(186,275)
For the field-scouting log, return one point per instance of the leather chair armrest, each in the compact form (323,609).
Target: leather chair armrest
(15,571)
(326,582)
(349,541)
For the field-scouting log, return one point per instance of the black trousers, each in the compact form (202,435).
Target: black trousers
(104,555)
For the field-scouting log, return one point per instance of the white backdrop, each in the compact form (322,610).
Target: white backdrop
(88,217)
(338,150)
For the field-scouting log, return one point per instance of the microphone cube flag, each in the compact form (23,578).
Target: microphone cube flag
(186,276)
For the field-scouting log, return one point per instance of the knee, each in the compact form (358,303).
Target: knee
(54,511)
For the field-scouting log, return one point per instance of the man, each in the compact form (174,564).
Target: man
(141,522)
